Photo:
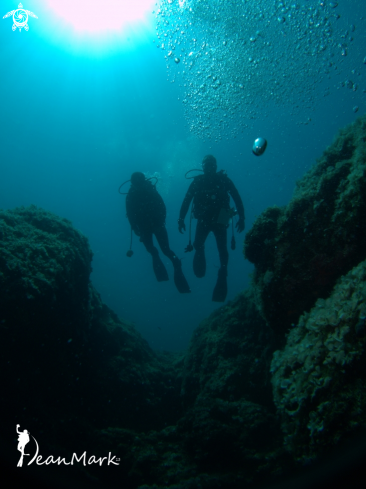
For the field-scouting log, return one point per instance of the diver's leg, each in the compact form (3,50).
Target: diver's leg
(220,233)
(199,259)
(179,279)
(220,290)
(159,269)
(161,235)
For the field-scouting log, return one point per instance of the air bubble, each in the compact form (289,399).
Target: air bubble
(248,52)
(348,84)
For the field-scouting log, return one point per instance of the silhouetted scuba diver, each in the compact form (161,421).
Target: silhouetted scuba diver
(146,213)
(211,207)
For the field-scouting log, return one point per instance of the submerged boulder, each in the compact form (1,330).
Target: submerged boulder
(44,266)
(300,250)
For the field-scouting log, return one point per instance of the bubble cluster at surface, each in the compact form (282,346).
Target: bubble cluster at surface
(234,58)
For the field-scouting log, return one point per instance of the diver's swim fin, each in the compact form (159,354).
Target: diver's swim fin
(179,279)
(220,290)
(159,269)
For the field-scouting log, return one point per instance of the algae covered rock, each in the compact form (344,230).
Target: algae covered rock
(227,433)
(68,362)
(229,421)
(300,250)
(319,381)
(229,355)
(42,259)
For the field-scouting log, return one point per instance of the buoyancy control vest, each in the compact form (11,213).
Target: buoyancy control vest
(211,195)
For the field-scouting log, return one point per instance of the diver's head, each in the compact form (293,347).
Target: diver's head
(137,179)
(209,164)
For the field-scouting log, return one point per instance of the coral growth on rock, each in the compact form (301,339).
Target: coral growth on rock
(300,250)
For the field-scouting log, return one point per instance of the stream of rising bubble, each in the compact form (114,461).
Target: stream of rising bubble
(233,58)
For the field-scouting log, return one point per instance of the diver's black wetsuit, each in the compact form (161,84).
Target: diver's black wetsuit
(202,231)
(210,194)
(146,213)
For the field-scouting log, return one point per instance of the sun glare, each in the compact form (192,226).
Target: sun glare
(101,16)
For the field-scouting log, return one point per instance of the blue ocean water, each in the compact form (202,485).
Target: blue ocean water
(77,118)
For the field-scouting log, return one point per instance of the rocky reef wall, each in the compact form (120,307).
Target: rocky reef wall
(300,250)
(319,381)
(68,363)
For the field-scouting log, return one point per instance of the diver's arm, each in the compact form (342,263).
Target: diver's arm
(186,202)
(185,206)
(131,216)
(237,199)
(240,225)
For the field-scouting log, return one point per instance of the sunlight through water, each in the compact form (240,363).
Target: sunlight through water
(95,16)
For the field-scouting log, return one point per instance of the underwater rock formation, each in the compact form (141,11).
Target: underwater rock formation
(67,360)
(232,340)
(77,376)
(230,416)
(229,412)
(319,381)
(44,262)
(300,250)
(228,433)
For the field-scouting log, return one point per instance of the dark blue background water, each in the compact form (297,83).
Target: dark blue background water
(75,125)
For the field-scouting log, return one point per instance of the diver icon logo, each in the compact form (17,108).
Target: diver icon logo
(23,439)
(20,17)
